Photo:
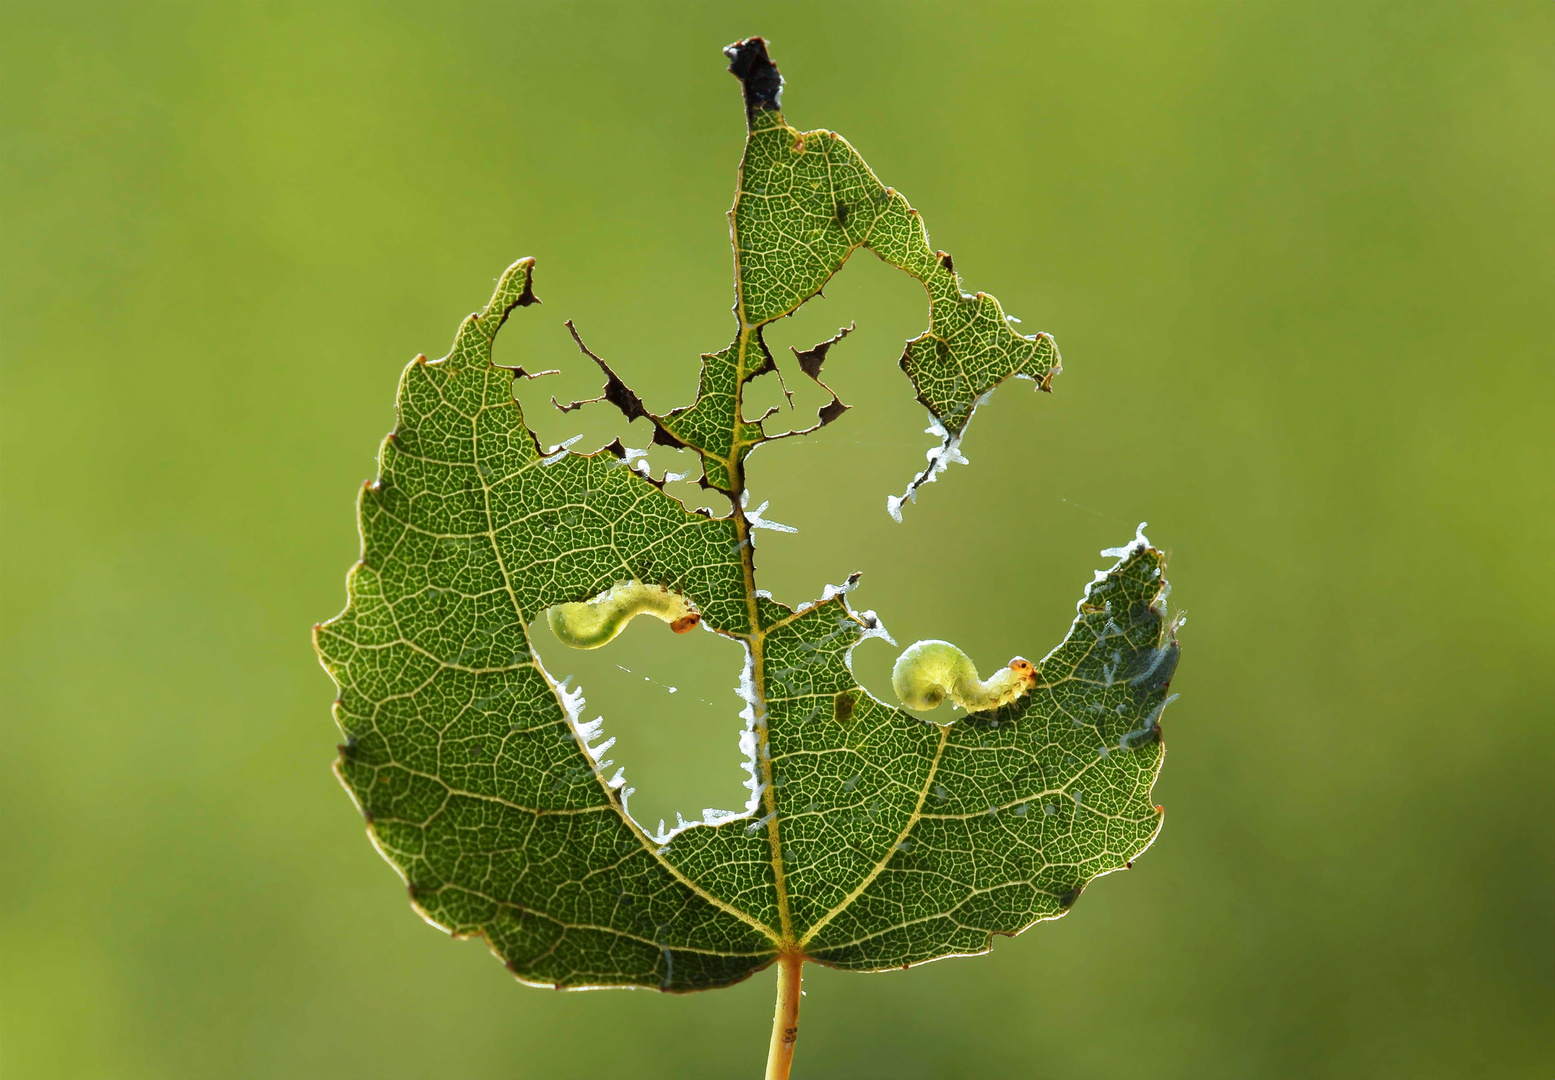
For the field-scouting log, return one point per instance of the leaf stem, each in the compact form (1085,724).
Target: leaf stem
(785,1017)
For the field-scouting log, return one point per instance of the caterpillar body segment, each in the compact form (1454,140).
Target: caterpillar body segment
(928,672)
(596,622)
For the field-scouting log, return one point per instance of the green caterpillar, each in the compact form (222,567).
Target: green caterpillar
(596,622)
(928,672)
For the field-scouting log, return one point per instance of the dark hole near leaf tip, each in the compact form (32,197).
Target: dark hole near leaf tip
(1067,900)
(748,62)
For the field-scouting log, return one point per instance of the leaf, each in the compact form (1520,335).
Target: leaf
(872,838)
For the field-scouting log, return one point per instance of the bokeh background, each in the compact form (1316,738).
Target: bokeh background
(1299,263)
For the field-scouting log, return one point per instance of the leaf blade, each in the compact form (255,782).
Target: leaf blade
(872,838)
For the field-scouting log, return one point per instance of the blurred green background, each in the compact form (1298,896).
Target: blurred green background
(1299,262)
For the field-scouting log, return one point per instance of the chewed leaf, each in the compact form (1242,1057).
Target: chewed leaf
(904,841)
(806,201)
(872,838)
(464,755)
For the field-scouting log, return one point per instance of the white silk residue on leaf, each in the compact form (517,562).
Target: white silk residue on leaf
(756,521)
(940,458)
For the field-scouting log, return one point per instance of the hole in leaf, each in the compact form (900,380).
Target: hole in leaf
(669,701)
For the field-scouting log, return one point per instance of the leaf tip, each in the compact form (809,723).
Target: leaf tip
(762,82)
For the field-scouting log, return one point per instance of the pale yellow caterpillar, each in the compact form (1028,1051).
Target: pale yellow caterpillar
(592,624)
(928,672)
